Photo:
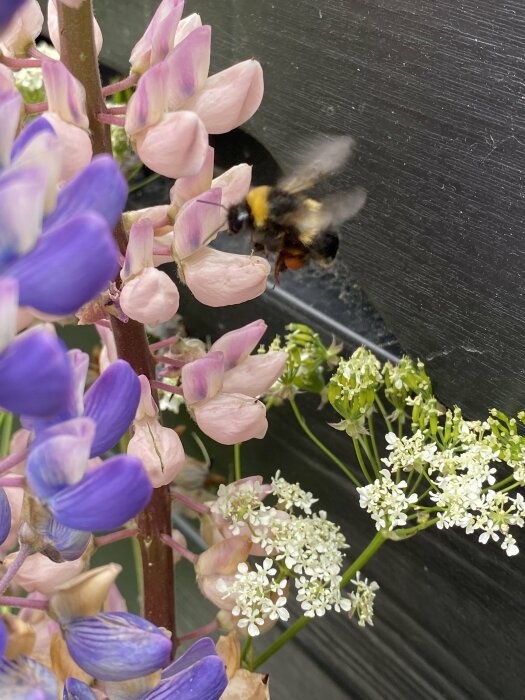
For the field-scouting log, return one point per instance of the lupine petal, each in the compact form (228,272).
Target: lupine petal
(186,27)
(21,190)
(39,573)
(234,183)
(107,497)
(141,58)
(202,378)
(164,34)
(76,690)
(3,637)
(197,223)
(238,344)
(229,98)
(62,543)
(66,96)
(68,266)
(8,8)
(231,418)
(147,105)
(5,516)
(23,29)
(202,648)
(186,188)
(25,679)
(139,252)
(99,188)
(8,310)
(188,65)
(112,403)
(117,646)
(255,374)
(60,459)
(205,680)
(151,298)
(217,278)
(35,376)
(29,132)
(76,144)
(10,106)
(160,450)
(176,146)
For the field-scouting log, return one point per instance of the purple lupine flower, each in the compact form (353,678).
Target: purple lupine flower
(56,541)
(116,646)
(8,9)
(76,690)
(5,516)
(24,678)
(59,249)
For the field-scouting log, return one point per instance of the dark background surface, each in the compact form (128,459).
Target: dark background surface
(433,93)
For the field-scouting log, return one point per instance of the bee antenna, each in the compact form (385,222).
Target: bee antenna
(215,204)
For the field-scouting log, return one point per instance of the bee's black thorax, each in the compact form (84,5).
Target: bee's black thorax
(239,217)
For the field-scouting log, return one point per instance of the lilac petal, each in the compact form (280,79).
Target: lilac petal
(68,266)
(76,690)
(202,378)
(198,221)
(106,498)
(238,344)
(204,680)
(62,543)
(5,516)
(28,134)
(35,376)
(21,190)
(25,679)
(61,456)
(99,188)
(8,9)
(188,64)
(204,647)
(112,402)
(117,646)
(10,106)
(8,310)
(3,637)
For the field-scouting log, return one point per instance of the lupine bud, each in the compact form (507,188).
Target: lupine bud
(202,378)
(20,32)
(85,594)
(38,573)
(197,223)
(219,563)
(76,690)
(52,23)
(232,418)
(159,36)
(117,646)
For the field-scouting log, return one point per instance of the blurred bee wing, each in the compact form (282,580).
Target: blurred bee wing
(340,207)
(320,159)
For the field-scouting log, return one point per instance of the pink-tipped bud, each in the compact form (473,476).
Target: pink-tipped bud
(188,64)
(197,224)
(160,450)
(159,36)
(186,188)
(66,95)
(238,344)
(202,378)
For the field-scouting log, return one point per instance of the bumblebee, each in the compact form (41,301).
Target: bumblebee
(284,220)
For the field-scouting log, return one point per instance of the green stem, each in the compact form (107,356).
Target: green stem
(371,429)
(321,445)
(143,183)
(357,448)
(357,565)
(7,431)
(499,484)
(237,461)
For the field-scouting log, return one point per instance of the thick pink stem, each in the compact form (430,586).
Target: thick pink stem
(124,84)
(105,118)
(166,387)
(211,627)
(15,602)
(190,503)
(190,556)
(9,462)
(116,536)
(20,558)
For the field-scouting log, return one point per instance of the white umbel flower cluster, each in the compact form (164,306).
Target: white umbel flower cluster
(299,545)
(362,600)
(386,501)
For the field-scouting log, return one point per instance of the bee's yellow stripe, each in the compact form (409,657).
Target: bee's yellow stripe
(257,199)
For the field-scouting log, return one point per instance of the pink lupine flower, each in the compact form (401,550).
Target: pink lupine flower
(226,418)
(7,80)
(219,563)
(52,23)
(23,29)
(245,373)
(67,115)
(176,105)
(159,448)
(38,573)
(159,37)
(148,295)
